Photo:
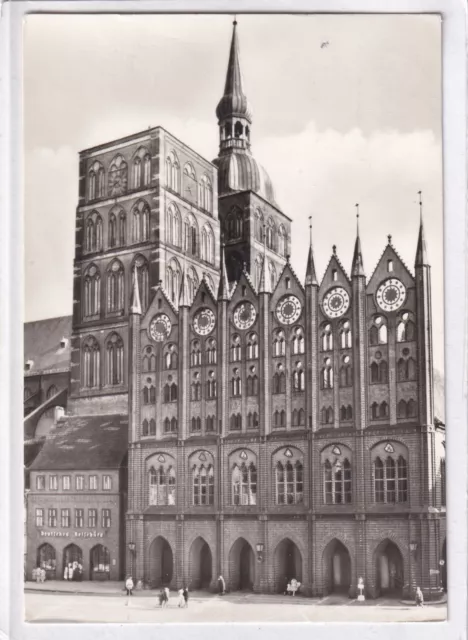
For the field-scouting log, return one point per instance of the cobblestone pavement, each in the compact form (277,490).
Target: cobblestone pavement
(74,608)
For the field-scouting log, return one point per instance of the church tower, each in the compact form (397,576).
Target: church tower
(247,207)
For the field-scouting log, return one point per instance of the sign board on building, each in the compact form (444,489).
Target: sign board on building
(77,534)
(433,572)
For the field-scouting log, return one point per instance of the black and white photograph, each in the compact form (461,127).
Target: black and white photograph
(234,380)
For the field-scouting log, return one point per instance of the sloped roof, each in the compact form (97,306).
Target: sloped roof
(42,344)
(90,442)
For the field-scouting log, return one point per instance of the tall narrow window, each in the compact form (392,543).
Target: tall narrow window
(244,485)
(203,485)
(91,358)
(115,287)
(327,338)
(289,483)
(92,292)
(390,480)
(114,364)
(162,485)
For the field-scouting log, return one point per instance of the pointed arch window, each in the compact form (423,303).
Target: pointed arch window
(235,423)
(173,225)
(271,234)
(326,340)
(207,244)
(115,287)
(196,425)
(173,277)
(298,418)
(162,485)
(252,420)
(170,357)
(337,482)
(252,385)
(118,176)
(236,384)
(282,240)
(378,333)
(236,349)
(114,360)
(390,480)
(211,352)
(210,423)
(327,415)
(92,292)
(289,480)
(112,231)
(140,222)
(379,372)
(91,363)
(259,222)
(279,382)
(96,181)
(93,233)
(170,425)
(143,280)
(136,177)
(298,379)
(205,196)
(173,172)
(272,270)
(195,390)
(279,344)
(345,335)
(244,484)
(252,346)
(146,170)
(195,354)
(346,413)
(327,374)
(170,391)
(298,341)
(279,419)
(203,485)
(406,329)
(235,224)
(149,360)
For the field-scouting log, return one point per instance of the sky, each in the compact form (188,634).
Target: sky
(346,110)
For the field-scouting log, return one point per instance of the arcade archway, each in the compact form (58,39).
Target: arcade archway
(46,559)
(389,569)
(288,564)
(241,566)
(336,567)
(161,563)
(201,564)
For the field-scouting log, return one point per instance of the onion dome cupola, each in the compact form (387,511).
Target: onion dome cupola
(237,168)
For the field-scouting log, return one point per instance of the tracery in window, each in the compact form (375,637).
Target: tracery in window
(173,172)
(252,346)
(298,341)
(162,484)
(279,343)
(289,479)
(92,292)
(298,418)
(279,380)
(114,359)
(406,329)
(202,479)
(140,221)
(173,225)
(378,333)
(345,335)
(115,287)
(207,244)
(337,475)
(205,194)
(117,180)
(195,354)
(244,484)
(327,374)
(91,363)
(326,340)
(173,277)
(390,479)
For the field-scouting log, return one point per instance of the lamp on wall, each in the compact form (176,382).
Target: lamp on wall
(132,547)
(413,546)
(260,547)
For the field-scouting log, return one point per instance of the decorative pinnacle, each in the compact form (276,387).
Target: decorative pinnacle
(357,218)
(311,276)
(334,249)
(389,238)
(420,206)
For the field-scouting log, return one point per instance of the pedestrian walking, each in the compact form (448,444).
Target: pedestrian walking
(221,586)
(186,596)
(162,598)
(65,572)
(181,601)
(167,592)
(129,586)
(419,597)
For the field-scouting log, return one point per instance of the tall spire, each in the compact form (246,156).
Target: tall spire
(421,251)
(135,304)
(223,287)
(264,284)
(358,262)
(311,275)
(183,294)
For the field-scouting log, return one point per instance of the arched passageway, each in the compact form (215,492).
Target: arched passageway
(241,566)
(336,568)
(288,564)
(161,563)
(99,563)
(73,555)
(201,564)
(389,570)
(46,559)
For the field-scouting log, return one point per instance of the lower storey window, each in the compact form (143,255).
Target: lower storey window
(244,485)
(337,482)
(162,486)
(203,485)
(390,480)
(289,483)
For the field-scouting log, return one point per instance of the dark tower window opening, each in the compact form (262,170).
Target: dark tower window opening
(238,129)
